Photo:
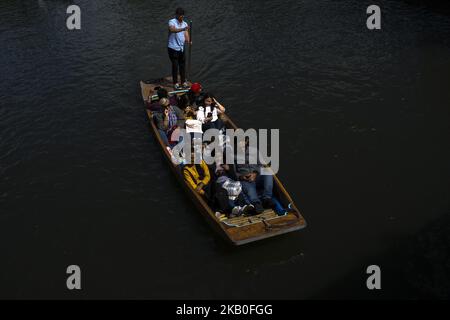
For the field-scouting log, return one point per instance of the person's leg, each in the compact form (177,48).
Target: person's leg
(197,136)
(179,143)
(174,59)
(207,126)
(246,207)
(163,136)
(221,200)
(265,182)
(240,200)
(196,144)
(250,190)
(181,64)
(218,124)
(208,192)
(246,199)
(268,186)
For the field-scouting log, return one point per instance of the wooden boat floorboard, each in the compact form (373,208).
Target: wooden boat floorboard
(241,221)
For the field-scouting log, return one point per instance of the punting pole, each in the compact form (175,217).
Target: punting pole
(190,51)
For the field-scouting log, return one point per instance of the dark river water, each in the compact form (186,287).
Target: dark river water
(364,126)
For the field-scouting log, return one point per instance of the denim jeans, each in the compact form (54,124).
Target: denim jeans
(264,182)
(163,136)
(165,139)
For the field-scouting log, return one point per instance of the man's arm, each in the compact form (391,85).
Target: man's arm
(220,107)
(166,122)
(206,172)
(161,122)
(187,36)
(188,179)
(181,119)
(174,29)
(201,114)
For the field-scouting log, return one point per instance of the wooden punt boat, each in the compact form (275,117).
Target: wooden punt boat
(238,230)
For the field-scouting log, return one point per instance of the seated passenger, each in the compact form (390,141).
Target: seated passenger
(193,126)
(155,106)
(168,120)
(195,95)
(197,176)
(257,187)
(183,102)
(234,202)
(209,112)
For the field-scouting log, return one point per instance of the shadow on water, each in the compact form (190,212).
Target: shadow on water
(416,267)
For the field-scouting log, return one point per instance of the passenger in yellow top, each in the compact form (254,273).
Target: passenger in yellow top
(197,176)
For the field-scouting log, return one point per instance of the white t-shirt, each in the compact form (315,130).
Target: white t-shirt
(202,112)
(176,40)
(193,125)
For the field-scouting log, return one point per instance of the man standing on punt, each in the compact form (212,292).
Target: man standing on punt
(178,35)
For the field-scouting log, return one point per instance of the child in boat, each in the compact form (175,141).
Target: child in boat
(193,126)
(228,194)
(209,113)
(168,120)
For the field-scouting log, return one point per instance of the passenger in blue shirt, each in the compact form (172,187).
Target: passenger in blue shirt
(178,35)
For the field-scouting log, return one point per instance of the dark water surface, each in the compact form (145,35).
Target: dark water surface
(364,123)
